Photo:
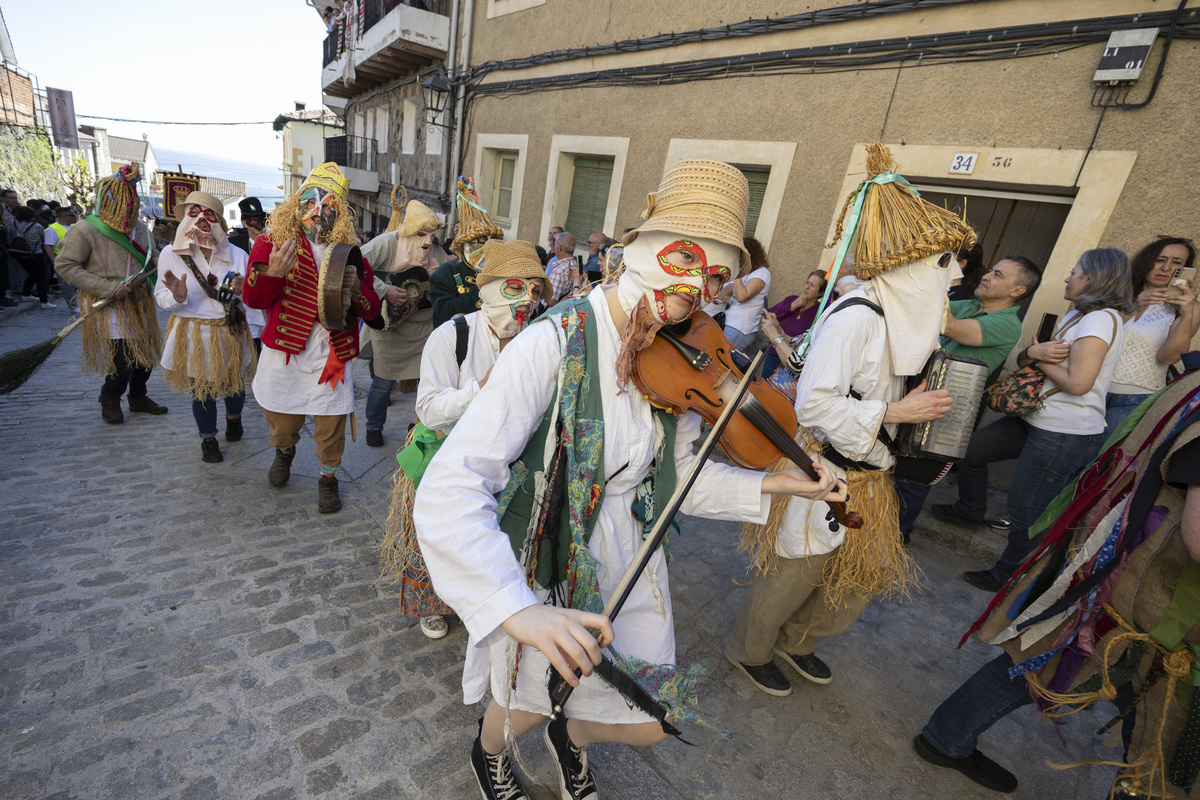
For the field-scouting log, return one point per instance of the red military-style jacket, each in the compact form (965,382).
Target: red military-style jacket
(291,301)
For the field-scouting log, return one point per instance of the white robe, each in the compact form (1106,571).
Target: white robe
(471,561)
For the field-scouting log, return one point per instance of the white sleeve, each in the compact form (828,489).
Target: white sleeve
(50,238)
(168,261)
(721,491)
(470,559)
(822,392)
(440,401)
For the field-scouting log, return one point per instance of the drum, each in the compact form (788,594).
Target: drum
(334,308)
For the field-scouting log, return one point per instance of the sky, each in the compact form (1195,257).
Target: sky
(213,61)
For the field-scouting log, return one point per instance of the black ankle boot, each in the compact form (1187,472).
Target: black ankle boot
(210,451)
(327,495)
(281,469)
(110,410)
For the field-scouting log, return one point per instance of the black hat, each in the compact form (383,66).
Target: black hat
(250,207)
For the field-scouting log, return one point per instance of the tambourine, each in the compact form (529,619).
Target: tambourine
(335,309)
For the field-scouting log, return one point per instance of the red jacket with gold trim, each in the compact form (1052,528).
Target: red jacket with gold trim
(291,301)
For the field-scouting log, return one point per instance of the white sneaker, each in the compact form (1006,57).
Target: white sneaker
(48,306)
(28,298)
(435,627)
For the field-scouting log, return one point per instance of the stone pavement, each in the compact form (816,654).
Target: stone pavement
(174,629)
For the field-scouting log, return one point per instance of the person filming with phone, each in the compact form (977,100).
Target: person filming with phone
(1160,330)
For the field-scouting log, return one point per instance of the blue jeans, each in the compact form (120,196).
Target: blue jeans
(1046,462)
(1117,407)
(379,396)
(206,413)
(912,498)
(738,339)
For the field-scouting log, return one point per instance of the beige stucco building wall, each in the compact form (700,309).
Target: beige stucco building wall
(1131,184)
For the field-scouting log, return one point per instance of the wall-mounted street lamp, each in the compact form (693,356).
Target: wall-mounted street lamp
(435,90)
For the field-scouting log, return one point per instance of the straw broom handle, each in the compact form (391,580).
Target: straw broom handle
(137,277)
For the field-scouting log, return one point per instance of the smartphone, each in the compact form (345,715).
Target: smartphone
(1182,276)
(1046,329)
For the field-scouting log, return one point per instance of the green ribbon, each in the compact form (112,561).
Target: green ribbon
(848,232)
(415,458)
(126,243)
(1180,617)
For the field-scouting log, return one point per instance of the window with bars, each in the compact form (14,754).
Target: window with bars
(589,196)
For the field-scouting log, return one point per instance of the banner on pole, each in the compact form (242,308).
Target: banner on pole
(62,118)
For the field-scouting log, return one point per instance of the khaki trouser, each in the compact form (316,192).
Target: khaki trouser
(328,432)
(786,610)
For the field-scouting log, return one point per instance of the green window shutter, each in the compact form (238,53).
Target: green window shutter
(758,189)
(589,197)
(502,199)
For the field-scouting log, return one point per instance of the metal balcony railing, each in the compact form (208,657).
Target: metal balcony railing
(363,153)
(362,15)
(335,150)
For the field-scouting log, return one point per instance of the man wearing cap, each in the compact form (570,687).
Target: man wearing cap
(455,365)
(560,394)
(208,352)
(813,576)
(107,257)
(254,220)
(305,368)
(404,257)
(452,288)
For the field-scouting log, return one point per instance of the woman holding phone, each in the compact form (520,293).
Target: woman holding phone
(1160,330)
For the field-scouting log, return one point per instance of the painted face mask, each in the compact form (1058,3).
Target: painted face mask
(508,303)
(659,266)
(473,251)
(199,225)
(317,212)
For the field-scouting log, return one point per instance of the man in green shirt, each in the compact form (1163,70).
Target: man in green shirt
(986,328)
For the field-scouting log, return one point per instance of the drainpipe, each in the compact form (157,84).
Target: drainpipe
(445,187)
(462,93)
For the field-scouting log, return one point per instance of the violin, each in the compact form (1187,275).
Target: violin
(689,367)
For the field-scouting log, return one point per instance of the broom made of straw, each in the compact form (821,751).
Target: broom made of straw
(19,365)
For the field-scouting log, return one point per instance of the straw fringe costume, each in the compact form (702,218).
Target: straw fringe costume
(1106,607)
(123,342)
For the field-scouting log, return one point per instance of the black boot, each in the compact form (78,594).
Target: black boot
(281,469)
(110,410)
(146,405)
(210,451)
(233,429)
(327,495)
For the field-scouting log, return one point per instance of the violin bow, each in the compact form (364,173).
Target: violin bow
(560,690)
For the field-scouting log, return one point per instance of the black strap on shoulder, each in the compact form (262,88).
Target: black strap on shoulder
(859,301)
(460,343)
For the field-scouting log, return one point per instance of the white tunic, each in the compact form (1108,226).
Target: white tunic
(446,389)
(198,305)
(289,385)
(471,561)
(849,350)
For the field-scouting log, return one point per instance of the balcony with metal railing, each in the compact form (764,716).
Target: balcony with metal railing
(359,159)
(378,41)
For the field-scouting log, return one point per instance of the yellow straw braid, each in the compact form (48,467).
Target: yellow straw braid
(397,214)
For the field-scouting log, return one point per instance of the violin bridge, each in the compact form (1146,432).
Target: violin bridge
(721,377)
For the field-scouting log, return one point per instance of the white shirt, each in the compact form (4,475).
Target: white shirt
(471,561)
(744,316)
(445,389)
(1083,414)
(197,304)
(1139,371)
(849,350)
(289,385)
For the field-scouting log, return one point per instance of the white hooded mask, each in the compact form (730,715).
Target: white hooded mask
(908,296)
(658,264)
(508,302)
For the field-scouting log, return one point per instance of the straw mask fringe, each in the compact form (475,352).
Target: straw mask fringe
(397,214)
(214,374)
(136,324)
(1151,767)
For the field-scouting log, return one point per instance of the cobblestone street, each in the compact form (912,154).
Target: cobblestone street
(175,629)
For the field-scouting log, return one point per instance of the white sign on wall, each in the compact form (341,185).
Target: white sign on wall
(963,163)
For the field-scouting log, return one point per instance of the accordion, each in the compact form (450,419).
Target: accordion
(924,451)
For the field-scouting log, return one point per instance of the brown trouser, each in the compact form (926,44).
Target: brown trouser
(328,432)
(787,610)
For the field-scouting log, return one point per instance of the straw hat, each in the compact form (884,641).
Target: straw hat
(204,200)
(897,226)
(418,217)
(515,259)
(704,199)
(473,220)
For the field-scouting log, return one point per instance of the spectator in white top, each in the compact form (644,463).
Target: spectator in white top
(1052,445)
(749,297)
(1160,330)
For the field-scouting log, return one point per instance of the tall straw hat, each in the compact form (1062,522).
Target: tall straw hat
(897,226)
(515,259)
(704,199)
(473,220)
(204,200)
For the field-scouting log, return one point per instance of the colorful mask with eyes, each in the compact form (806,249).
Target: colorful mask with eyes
(659,265)
(473,251)
(317,212)
(200,225)
(508,303)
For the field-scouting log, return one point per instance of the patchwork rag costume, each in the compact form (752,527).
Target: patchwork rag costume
(458,357)
(100,255)
(814,578)
(403,257)
(209,351)
(452,287)
(1106,607)
(306,369)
